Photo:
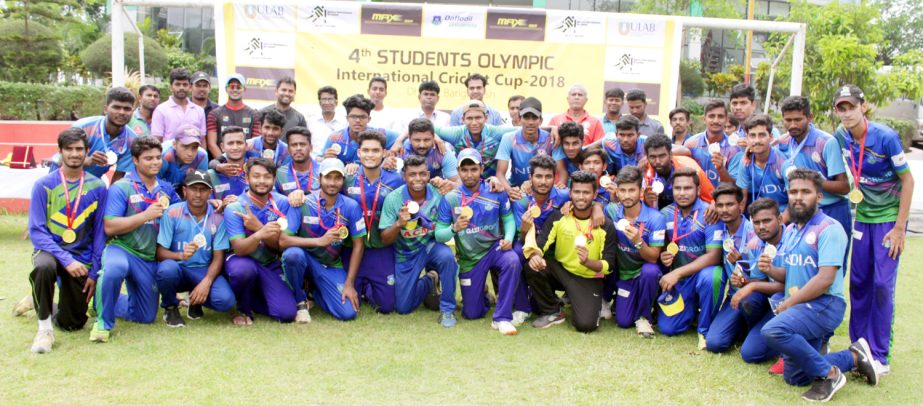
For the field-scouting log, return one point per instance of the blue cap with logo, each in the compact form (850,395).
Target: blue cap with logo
(469,154)
(238,77)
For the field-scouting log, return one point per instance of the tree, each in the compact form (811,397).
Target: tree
(690,76)
(97,57)
(902,23)
(31,46)
(710,8)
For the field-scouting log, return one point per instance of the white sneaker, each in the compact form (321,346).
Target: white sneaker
(883,369)
(520,317)
(23,306)
(605,312)
(505,327)
(302,316)
(644,328)
(43,342)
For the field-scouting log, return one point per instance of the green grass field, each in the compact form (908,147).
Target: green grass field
(391,359)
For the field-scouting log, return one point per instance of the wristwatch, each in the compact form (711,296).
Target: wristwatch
(639,244)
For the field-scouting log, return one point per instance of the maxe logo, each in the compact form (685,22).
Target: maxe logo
(388,18)
(512,22)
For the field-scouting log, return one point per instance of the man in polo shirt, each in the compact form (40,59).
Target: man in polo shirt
(343,144)
(421,141)
(626,146)
(662,166)
(572,255)
(269,143)
(680,122)
(882,194)
(183,157)
(760,172)
(191,245)
(201,89)
(298,178)
(637,106)
(229,177)
(428,97)
(615,97)
(234,112)
(477,134)
(285,95)
(66,230)
(711,148)
(476,84)
(328,121)
(518,147)
(694,279)
(109,136)
(576,101)
(471,214)
(148,99)
(177,111)
(314,242)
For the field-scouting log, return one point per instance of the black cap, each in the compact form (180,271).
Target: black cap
(198,76)
(530,105)
(198,176)
(849,93)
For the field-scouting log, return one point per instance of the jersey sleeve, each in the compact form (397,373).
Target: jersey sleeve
(833,157)
(211,122)
(390,211)
(895,150)
(519,207)
(504,152)
(233,222)
(116,202)
(39,232)
(390,137)
(453,134)
(165,235)
(714,236)
(657,231)
(831,245)
(445,212)
(743,177)
(355,221)
(220,239)
(449,164)
(294,216)
(735,163)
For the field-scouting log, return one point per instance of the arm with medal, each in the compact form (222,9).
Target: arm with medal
(154,209)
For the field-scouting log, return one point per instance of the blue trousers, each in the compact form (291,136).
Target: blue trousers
(635,298)
(472,284)
(328,289)
(295,268)
(798,332)
(745,321)
(172,276)
(261,288)
(703,292)
(411,288)
(140,304)
(872,283)
(375,280)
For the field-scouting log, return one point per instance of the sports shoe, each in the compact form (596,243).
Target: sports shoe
(520,317)
(194,312)
(565,300)
(778,368)
(824,388)
(605,312)
(98,335)
(865,363)
(549,320)
(701,345)
(883,369)
(431,301)
(172,317)
(505,327)
(302,316)
(43,342)
(23,306)
(447,319)
(644,328)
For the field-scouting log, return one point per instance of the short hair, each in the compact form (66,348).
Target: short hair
(686,172)
(570,129)
(759,120)
(733,121)
(658,141)
(232,129)
(514,98)
(601,153)
(628,122)
(476,76)
(120,94)
(264,162)
(358,101)
(716,104)
(374,136)
(71,135)
(429,85)
(636,95)
(287,79)
(275,117)
(743,90)
(764,203)
(420,125)
(144,143)
(615,92)
(629,174)
(300,131)
(379,79)
(577,86)
(679,110)
(727,188)
(145,88)
(327,89)
(809,175)
(179,74)
(796,103)
(583,177)
(542,161)
(413,160)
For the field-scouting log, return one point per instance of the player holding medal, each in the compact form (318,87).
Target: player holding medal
(268,145)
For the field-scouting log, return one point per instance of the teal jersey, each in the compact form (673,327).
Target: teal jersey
(483,229)
(313,219)
(371,198)
(130,196)
(275,207)
(652,226)
(491,136)
(288,179)
(419,232)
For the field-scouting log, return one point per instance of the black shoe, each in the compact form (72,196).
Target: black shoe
(431,301)
(172,318)
(865,365)
(195,312)
(824,388)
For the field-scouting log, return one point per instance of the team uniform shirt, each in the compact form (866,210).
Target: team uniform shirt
(371,198)
(821,242)
(602,196)
(321,130)
(493,117)
(732,154)
(289,180)
(819,152)
(174,172)
(666,197)
(879,180)
(349,147)
(139,125)
(570,165)
(649,127)
(557,238)
(461,138)
(293,118)
(483,229)
(608,125)
(691,233)
(100,140)
(225,116)
(48,211)
(257,149)
(129,196)
(744,234)
(228,185)
(178,227)
(768,181)
(652,226)
(313,219)
(783,147)
(618,158)
(169,117)
(440,164)
(592,128)
(556,199)
(515,149)
(270,212)
(750,253)
(411,241)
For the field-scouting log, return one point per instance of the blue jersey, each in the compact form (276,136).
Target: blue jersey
(491,136)
(618,158)
(821,242)
(412,240)
(819,152)
(179,227)
(740,238)
(371,198)
(602,196)
(768,181)
(256,149)
(440,164)
(175,172)
(879,181)
(227,185)
(100,140)
(288,179)
(129,196)
(698,145)
(691,233)
(313,219)
(515,149)
(483,229)
(556,199)
(269,212)
(750,255)
(349,148)
(652,226)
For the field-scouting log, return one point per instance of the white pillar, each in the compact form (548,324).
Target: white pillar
(798,61)
(118,44)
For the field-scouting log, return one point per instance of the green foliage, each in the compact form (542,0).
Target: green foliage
(905,128)
(690,75)
(905,79)
(720,83)
(29,101)
(97,57)
(29,51)
(710,8)
(902,23)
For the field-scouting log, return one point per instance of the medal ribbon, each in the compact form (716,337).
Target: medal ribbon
(144,197)
(320,216)
(589,231)
(369,215)
(310,175)
(856,166)
(676,225)
(270,204)
(71,213)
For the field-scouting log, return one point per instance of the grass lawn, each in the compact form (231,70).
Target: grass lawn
(395,359)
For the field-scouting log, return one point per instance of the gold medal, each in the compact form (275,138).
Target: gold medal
(856,196)
(413,207)
(164,202)
(69,236)
(343,233)
(466,212)
(728,245)
(535,211)
(672,248)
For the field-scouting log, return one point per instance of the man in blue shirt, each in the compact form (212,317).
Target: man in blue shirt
(342,144)
(229,177)
(812,253)
(571,136)
(760,174)
(269,144)
(626,146)
(516,149)
(300,176)
(711,149)
(183,157)
(421,141)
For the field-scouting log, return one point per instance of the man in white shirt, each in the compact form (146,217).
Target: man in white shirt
(429,97)
(382,117)
(321,126)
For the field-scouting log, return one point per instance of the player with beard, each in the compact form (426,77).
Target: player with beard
(269,144)
(285,95)
(300,177)
(421,140)
(229,177)
(661,166)
(626,146)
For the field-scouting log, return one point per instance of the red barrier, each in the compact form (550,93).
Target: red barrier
(43,135)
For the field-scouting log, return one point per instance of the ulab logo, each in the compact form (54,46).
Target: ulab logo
(626,28)
(318,15)
(387,18)
(512,22)
(257,10)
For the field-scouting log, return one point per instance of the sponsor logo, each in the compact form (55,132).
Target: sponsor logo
(455,21)
(513,22)
(259,10)
(318,14)
(391,20)
(628,28)
(261,82)
(525,26)
(388,18)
